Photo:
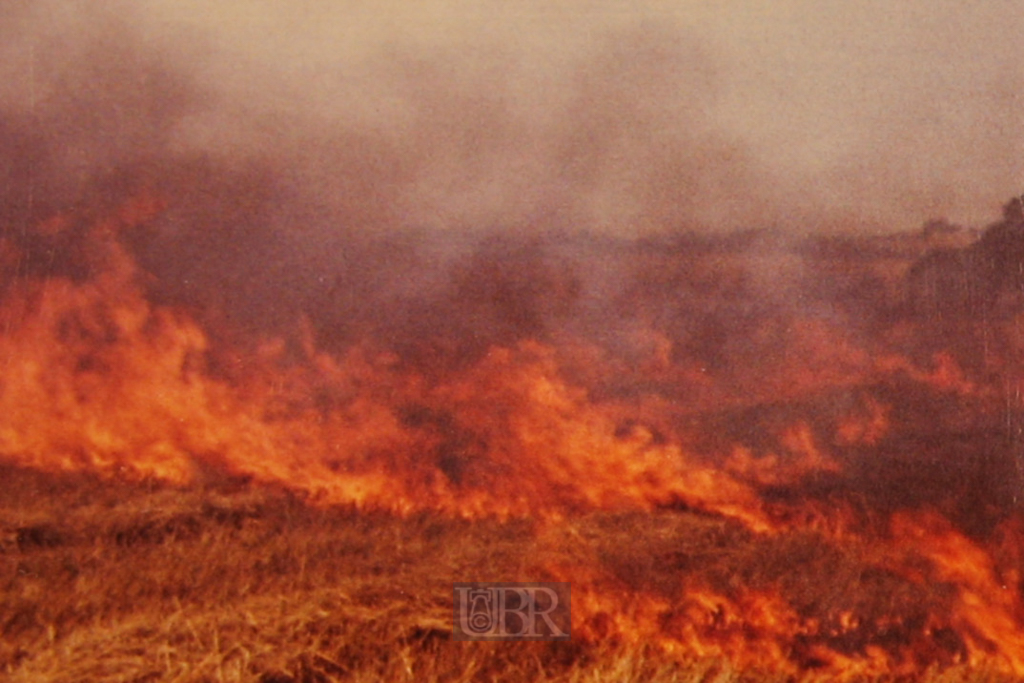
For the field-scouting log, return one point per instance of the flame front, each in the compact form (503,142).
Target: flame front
(97,377)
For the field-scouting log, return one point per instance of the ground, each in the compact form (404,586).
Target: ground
(115,581)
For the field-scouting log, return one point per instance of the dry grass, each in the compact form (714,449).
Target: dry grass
(231,583)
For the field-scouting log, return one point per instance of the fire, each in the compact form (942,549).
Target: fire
(988,608)
(97,377)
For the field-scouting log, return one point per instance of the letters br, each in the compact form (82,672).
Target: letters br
(511,611)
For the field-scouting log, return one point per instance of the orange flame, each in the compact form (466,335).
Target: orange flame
(96,377)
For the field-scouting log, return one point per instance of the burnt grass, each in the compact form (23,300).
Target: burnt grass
(226,581)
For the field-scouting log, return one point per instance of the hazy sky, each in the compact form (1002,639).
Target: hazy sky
(621,117)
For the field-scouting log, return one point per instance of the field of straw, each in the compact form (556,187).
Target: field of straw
(106,581)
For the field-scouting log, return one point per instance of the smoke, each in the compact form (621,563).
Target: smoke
(479,174)
(460,116)
(529,258)
(451,176)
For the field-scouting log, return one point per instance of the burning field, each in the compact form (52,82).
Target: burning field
(280,365)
